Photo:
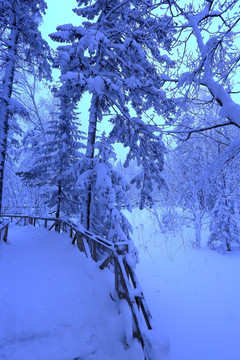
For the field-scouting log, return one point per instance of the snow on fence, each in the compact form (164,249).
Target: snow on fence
(105,253)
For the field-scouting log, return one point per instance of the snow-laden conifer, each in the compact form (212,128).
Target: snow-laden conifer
(109,195)
(21,45)
(112,56)
(54,158)
(224,229)
(224,225)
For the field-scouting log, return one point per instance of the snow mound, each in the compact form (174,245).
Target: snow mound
(55,303)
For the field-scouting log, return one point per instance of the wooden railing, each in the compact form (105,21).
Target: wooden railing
(105,253)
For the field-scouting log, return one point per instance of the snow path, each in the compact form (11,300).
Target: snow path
(55,303)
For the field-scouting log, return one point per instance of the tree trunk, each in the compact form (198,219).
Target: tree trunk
(198,226)
(92,129)
(7,86)
(58,226)
(59,201)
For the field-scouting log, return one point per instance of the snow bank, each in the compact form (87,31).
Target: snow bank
(55,303)
(194,295)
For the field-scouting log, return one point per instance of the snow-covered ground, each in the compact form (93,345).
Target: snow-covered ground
(194,295)
(55,303)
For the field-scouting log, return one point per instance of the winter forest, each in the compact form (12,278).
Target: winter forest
(126,122)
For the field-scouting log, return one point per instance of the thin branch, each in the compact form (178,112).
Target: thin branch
(190,132)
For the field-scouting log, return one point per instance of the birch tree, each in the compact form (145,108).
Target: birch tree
(197,180)
(208,56)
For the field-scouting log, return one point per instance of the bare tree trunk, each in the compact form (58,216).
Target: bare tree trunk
(7,86)
(92,129)
(59,201)
(58,226)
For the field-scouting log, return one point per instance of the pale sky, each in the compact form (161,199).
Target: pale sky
(58,13)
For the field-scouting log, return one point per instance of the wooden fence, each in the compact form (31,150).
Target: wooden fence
(105,253)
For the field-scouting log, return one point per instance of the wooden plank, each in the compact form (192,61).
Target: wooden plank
(132,304)
(106,245)
(106,262)
(18,221)
(134,309)
(58,227)
(141,302)
(80,243)
(87,250)
(140,334)
(4,232)
(64,226)
(94,251)
(52,226)
(116,274)
(120,286)
(74,239)
(90,235)
(5,236)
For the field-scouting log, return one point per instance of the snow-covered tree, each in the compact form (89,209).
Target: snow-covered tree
(112,56)
(194,169)
(224,228)
(54,158)
(64,149)
(186,163)
(109,196)
(147,149)
(207,40)
(21,46)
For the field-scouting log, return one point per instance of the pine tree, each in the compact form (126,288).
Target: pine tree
(112,56)
(53,161)
(224,228)
(109,195)
(21,46)
(63,152)
(224,225)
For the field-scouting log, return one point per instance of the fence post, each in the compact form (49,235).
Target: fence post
(5,236)
(116,275)
(94,251)
(58,225)
(120,250)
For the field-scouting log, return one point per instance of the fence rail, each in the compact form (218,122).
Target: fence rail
(105,253)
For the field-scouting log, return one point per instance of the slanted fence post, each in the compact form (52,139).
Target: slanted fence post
(120,250)
(4,232)
(5,236)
